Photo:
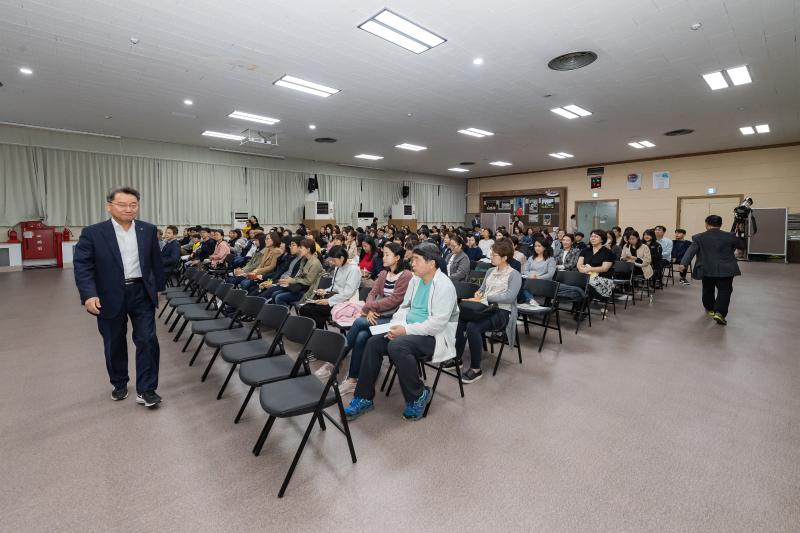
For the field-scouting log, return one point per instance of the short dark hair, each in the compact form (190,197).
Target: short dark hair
(238,233)
(173,228)
(124,190)
(297,240)
(578,233)
(261,239)
(338,252)
(218,230)
(680,230)
(617,228)
(308,244)
(427,251)
(570,235)
(504,248)
(600,233)
(715,221)
(662,228)
(207,230)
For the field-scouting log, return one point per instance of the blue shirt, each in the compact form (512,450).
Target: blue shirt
(419,305)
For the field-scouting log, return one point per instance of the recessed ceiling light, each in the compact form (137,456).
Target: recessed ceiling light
(475,132)
(715,80)
(696,26)
(312,126)
(291,82)
(635,145)
(647,144)
(739,75)
(581,112)
(188,102)
(241,115)
(25,70)
(477,61)
(747,130)
(134,40)
(762,128)
(500,163)
(369,156)
(229,136)
(412,147)
(109,117)
(561,155)
(402,32)
(456,169)
(564,113)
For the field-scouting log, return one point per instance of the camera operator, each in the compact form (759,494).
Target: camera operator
(716,266)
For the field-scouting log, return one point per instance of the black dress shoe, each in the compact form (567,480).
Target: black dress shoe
(148,399)
(119,393)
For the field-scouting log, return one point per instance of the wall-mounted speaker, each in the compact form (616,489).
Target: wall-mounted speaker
(313,185)
(405,191)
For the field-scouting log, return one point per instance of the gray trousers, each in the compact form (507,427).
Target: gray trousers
(404,352)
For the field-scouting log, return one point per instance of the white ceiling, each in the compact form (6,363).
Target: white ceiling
(225,56)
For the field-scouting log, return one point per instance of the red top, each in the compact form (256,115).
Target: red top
(365,263)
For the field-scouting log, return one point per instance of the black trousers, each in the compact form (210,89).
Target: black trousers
(403,352)
(139,307)
(717,294)
(320,313)
(472,333)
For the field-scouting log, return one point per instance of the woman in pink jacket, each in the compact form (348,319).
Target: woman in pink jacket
(221,249)
(383,300)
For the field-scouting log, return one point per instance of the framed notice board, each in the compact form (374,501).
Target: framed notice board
(772,224)
(537,208)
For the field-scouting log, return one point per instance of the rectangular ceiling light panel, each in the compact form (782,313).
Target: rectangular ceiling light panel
(402,32)
(241,115)
(475,132)
(500,163)
(412,147)
(298,84)
(456,169)
(762,128)
(715,80)
(739,75)
(220,135)
(369,156)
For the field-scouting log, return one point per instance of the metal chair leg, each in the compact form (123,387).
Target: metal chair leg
(227,379)
(298,454)
(211,362)
(187,342)
(263,436)
(244,405)
(197,351)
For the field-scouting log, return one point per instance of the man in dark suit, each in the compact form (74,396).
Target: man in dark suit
(119,271)
(716,266)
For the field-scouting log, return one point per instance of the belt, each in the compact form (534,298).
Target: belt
(131,281)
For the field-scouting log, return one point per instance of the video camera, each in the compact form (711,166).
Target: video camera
(742,213)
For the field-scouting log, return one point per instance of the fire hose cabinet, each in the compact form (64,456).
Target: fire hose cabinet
(38,240)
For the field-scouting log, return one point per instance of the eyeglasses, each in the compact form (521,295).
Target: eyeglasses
(132,206)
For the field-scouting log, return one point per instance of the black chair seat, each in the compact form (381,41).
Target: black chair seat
(198,314)
(182,308)
(294,397)
(266,370)
(215,339)
(176,293)
(184,300)
(245,351)
(218,324)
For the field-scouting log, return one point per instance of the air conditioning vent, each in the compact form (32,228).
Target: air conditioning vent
(325,140)
(682,131)
(572,61)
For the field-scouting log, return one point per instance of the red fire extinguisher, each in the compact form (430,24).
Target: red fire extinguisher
(67,234)
(12,235)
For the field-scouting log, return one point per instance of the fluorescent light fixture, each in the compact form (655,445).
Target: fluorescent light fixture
(477,61)
(475,132)
(369,156)
(402,32)
(762,128)
(26,71)
(457,169)
(561,155)
(61,130)
(412,147)
(636,145)
(647,144)
(312,126)
(500,163)
(188,102)
(271,156)
(715,80)
(581,112)
(739,75)
(220,135)
(747,130)
(241,115)
(564,113)
(292,82)
(557,156)
(565,154)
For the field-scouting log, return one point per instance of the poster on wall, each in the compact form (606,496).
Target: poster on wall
(519,206)
(546,220)
(533,205)
(634,182)
(505,205)
(533,219)
(490,205)
(661,180)
(547,203)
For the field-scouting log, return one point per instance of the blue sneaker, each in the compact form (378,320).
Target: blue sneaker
(358,406)
(415,410)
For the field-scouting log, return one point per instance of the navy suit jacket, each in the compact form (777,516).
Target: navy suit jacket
(171,255)
(98,266)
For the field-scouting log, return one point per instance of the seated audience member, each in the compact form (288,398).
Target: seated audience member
(206,248)
(473,251)
(486,242)
(557,242)
(314,238)
(579,242)
(367,257)
(500,234)
(665,242)
(626,234)
(519,256)
(548,238)
(637,253)
(344,285)
(649,238)
(171,251)
(597,260)
(679,248)
(302,286)
(252,223)
(236,241)
(351,244)
(611,244)
(221,249)
(573,225)
(269,287)
(382,301)
(567,258)
(498,294)
(527,238)
(423,327)
(270,253)
(242,274)
(457,261)
(247,250)
(540,265)
(160,238)
(617,231)
(444,246)
(187,237)
(188,246)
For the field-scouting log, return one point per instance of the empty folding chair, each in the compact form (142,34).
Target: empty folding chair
(465,290)
(225,293)
(547,291)
(301,395)
(201,297)
(259,364)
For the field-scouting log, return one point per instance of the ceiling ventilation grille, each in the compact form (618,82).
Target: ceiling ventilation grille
(572,61)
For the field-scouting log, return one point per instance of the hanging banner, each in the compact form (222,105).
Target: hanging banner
(634,182)
(661,180)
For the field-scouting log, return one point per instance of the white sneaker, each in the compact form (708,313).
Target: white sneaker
(347,386)
(324,372)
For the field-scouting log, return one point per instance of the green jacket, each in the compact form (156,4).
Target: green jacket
(310,272)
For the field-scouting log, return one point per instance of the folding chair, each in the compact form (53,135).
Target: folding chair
(547,290)
(224,268)
(269,319)
(259,363)
(391,374)
(206,285)
(300,395)
(580,280)
(465,290)
(477,276)
(622,277)
(229,297)
(196,290)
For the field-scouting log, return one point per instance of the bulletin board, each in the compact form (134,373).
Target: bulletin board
(538,208)
(770,239)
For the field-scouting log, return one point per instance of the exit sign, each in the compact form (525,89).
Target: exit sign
(596,182)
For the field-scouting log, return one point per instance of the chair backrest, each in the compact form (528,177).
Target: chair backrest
(325,282)
(363,292)
(477,274)
(212,285)
(204,280)
(464,289)
(222,290)
(298,329)
(574,278)
(622,270)
(326,345)
(234,297)
(482,266)
(272,316)
(251,305)
(545,288)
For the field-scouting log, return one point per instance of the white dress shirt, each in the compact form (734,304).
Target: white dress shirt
(129,249)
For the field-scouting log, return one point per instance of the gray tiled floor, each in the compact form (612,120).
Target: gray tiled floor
(654,420)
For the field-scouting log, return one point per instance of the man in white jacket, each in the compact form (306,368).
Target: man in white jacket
(423,327)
